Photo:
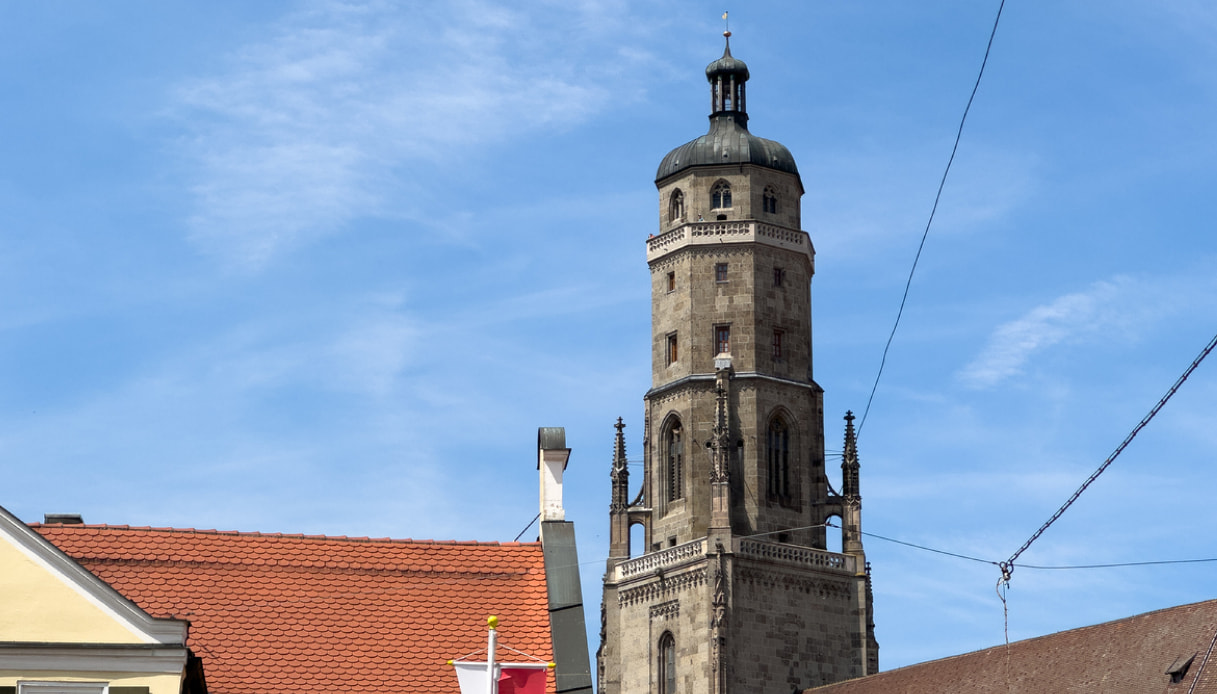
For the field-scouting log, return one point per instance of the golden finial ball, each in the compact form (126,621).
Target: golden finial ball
(493,622)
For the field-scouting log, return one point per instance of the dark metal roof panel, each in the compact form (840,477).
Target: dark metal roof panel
(573,674)
(727,143)
(561,564)
(551,438)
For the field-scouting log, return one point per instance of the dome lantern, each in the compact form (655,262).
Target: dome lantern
(727,77)
(728,141)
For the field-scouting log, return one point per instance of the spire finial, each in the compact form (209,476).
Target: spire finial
(619,459)
(726,35)
(849,460)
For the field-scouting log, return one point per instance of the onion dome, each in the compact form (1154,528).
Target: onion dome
(728,141)
(727,65)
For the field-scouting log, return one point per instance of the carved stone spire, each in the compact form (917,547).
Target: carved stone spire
(720,444)
(619,504)
(849,463)
(620,473)
(718,623)
(720,448)
(851,494)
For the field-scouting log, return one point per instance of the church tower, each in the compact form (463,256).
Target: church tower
(733,590)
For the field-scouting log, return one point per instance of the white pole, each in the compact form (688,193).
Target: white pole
(492,686)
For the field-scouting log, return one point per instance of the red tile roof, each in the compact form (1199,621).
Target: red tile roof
(275,613)
(1127,656)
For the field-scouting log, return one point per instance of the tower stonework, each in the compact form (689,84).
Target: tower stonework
(733,590)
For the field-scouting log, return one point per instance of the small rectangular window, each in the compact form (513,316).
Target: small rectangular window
(722,339)
(779,276)
(777,344)
(720,272)
(671,281)
(672,349)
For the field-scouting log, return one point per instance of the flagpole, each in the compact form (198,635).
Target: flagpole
(492,641)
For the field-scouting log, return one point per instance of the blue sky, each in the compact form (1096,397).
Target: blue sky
(325,267)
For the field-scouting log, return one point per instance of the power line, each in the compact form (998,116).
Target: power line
(1119,565)
(1039,567)
(1007,567)
(534,520)
(931,549)
(921,547)
(933,210)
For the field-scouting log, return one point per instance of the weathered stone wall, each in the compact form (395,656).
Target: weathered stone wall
(748,183)
(649,607)
(791,629)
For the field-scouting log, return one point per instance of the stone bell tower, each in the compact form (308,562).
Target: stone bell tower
(733,590)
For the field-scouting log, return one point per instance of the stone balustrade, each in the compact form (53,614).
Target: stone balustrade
(795,555)
(673,556)
(705,233)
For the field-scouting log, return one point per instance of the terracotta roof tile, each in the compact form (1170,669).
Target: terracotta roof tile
(272,612)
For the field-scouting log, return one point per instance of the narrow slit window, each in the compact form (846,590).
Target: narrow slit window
(777,344)
(779,459)
(672,349)
(667,664)
(675,451)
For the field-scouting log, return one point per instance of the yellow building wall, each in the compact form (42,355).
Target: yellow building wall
(37,605)
(156,684)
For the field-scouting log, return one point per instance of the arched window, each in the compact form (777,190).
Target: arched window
(667,664)
(769,201)
(720,195)
(778,458)
(834,542)
(676,206)
(673,461)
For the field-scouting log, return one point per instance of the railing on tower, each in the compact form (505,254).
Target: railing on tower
(705,233)
(795,555)
(672,556)
(778,552)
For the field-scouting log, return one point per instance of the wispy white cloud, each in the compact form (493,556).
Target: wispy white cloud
(344,111)
(1068,317)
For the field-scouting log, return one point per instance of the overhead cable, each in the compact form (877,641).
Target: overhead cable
(937,196)
(1007,567)
(1040,567)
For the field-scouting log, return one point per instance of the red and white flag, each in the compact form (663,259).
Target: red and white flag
(511,678)
(491,677)
(514,679)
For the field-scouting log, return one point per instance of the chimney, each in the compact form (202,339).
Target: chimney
(552,456)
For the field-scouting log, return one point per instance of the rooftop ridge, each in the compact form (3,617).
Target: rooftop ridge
(1025,643)
(291,536)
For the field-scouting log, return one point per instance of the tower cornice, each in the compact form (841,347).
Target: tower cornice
(707,380)
(695,234)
